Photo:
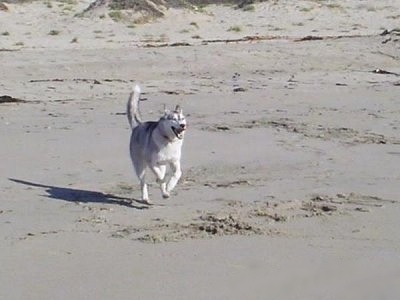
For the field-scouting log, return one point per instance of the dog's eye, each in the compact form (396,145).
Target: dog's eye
(173,117)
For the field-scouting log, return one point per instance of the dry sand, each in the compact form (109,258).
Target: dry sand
(290,186)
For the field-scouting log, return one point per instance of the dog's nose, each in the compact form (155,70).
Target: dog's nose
(183,126)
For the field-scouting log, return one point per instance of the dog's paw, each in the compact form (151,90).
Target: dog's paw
(165,195)
(145,201)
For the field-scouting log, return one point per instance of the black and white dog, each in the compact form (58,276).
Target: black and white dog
(156,145)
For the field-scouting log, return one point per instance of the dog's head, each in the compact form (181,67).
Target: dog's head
(174,123)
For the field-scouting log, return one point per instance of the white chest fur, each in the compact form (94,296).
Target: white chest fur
(168,152)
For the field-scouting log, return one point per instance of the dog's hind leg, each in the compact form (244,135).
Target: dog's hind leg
(176,169)
(143,187)
(160,171)
(140,169)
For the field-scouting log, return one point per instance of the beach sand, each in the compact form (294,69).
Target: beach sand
(290,185)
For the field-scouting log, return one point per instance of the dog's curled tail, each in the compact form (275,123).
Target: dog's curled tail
(132,108)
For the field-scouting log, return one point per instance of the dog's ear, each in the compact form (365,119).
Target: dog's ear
(178,109)
(166,111)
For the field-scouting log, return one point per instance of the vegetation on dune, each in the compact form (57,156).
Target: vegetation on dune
(145,10)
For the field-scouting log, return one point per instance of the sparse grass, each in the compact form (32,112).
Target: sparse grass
(70,2)
(235,28)
(196,37)
(393,17)
(19,44)
(184,31)
(103,16)
(97,31)
(116,15)
(201,8)
(131,26)
(68,8)
(194,24)
(306,9)
(54,32)
(74,40)
(5,33)
(48,4)
(335,6)
(249,8)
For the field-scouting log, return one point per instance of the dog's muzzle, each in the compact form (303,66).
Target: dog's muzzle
(179,131)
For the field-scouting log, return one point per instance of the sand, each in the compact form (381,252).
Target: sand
(290,186)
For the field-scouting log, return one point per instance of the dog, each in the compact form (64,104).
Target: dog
(156,145)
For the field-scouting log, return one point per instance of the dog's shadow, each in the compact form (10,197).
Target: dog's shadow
(84,196)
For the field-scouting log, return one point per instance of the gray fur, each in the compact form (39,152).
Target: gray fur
(156,145)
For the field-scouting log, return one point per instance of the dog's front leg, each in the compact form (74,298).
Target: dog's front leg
(176,169)
(159,171)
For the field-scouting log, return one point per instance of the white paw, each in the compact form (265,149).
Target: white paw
(146,201)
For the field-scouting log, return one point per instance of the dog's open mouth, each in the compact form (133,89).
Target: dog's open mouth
(178,132)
